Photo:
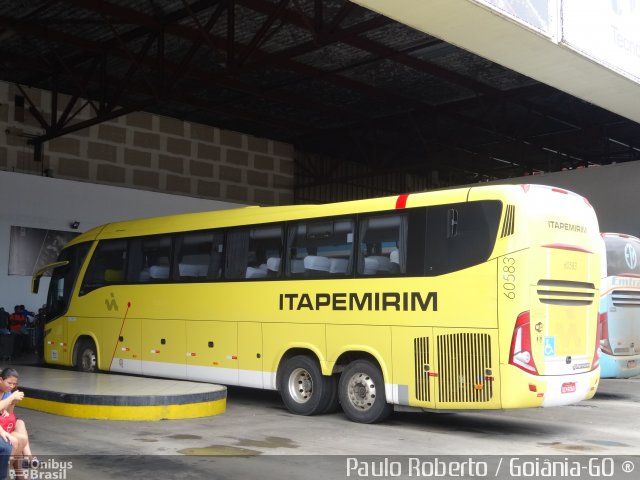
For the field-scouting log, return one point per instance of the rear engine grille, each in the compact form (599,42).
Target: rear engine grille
(626,298)
(421,369)
(464,361)
(565,292)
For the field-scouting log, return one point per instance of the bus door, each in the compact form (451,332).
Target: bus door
(55,332)
(64,273)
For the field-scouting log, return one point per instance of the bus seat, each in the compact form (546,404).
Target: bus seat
(339,265)
(297,265)
(194,266)
(253,272)
(273,264)
(111,275)
(384,263)
(193,270)
(316,264)
(159,272)
(370,266)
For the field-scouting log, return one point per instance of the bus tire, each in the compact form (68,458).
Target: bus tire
(362,393)
(86,356)
(304,390)
(332,402)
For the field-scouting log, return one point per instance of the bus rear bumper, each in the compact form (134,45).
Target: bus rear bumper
(619,366)
(523,390)
(569,389)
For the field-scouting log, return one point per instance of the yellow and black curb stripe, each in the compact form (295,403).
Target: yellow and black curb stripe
(127,407)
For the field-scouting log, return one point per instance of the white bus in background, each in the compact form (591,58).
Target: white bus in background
(620,306)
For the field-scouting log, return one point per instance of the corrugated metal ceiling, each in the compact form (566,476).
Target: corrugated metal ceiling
(325,75)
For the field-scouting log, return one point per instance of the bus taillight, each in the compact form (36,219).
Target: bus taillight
(603,333)
(521,354)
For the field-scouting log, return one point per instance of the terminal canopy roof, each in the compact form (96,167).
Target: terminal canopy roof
(328,76)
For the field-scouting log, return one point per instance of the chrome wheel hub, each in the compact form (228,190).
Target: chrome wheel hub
(300,385)
(361,391)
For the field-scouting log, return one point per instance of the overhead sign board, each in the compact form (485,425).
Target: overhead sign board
(536,14)
(587,48)
(605,31)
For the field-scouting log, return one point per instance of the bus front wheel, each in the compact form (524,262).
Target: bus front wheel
(86,356)
(361,393)
(304,390)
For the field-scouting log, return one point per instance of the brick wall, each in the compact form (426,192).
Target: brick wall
(149,152)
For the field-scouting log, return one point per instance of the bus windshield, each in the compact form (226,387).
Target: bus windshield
(63,278)
(622,255)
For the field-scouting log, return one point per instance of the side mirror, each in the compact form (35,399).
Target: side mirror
(35,283)
(35,280)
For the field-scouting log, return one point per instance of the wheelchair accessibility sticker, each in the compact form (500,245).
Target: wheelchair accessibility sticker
(549,346)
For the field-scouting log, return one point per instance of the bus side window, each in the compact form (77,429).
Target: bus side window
(461,235)
(321,248)
(198,256)
(254,253)
(150,259)
(265,251)
(383,245)
(107,265)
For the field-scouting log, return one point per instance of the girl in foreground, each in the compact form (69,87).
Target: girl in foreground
(13,430)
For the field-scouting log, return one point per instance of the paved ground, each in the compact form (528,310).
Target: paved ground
(258,438)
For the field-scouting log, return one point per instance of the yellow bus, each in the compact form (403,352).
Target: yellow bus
(472,298)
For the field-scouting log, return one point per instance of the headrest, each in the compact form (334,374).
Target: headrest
(315,262)
(273,264)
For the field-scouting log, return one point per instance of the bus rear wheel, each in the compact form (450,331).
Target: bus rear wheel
(362,394)
(86,356)
(304,390)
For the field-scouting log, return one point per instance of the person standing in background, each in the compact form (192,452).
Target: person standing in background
(4,320)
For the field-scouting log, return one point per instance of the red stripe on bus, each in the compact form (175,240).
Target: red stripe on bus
(401,202)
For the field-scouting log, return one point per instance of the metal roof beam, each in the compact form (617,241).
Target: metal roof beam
(422,65)
(204,76)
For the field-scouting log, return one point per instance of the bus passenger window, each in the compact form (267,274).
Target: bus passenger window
(383,245)
(254,253)
(198,256)
(107,265)
(460,235)
(150,259)
(320,249)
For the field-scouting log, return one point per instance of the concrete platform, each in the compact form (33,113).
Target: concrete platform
(107,396)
